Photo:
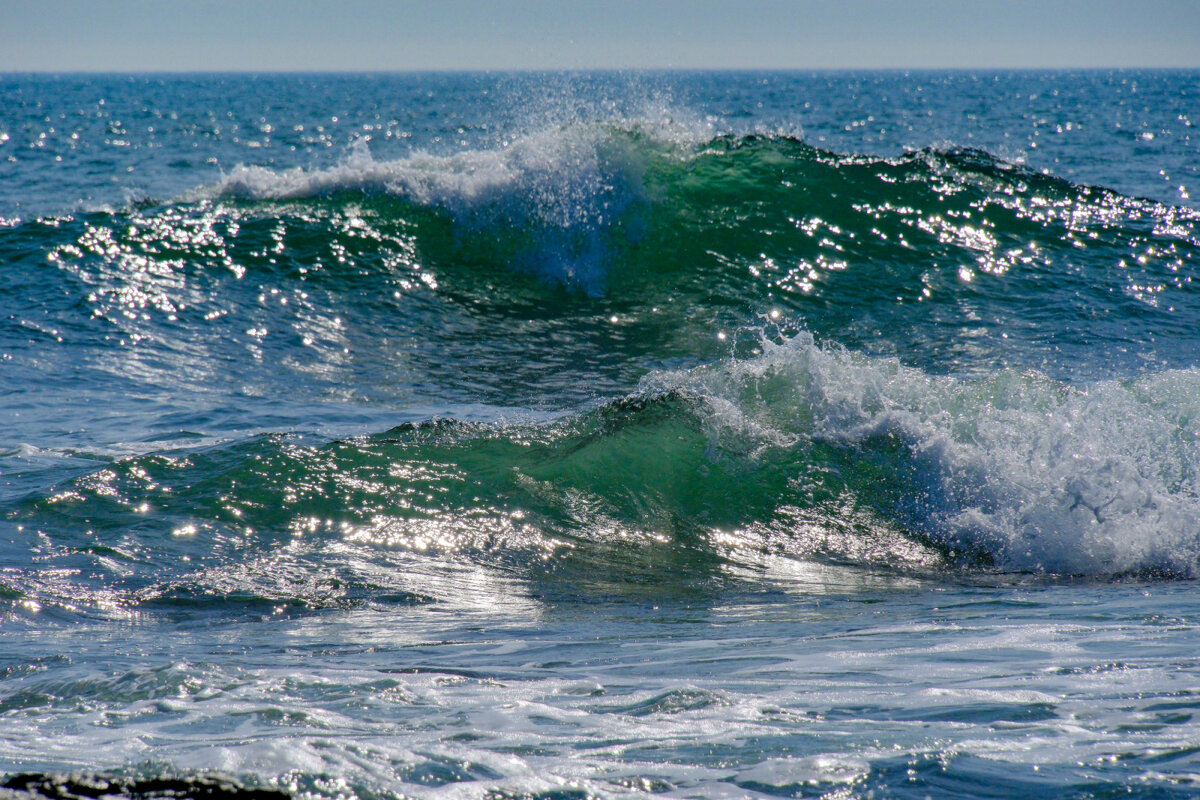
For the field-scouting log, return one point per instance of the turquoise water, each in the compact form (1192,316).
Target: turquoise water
(532,435)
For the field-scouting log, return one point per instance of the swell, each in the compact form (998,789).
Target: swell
(805,452)
(622,243)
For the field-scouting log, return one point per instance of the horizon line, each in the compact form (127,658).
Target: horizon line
(603,69)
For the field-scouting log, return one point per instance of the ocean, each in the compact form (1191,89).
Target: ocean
(595,435)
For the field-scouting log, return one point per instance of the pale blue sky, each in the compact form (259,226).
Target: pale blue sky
(137,35)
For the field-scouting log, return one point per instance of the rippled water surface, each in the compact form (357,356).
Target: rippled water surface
(590,435)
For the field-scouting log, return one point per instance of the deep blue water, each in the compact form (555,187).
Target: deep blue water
(565,435)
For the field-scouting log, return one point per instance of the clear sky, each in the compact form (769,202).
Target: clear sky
(144,35)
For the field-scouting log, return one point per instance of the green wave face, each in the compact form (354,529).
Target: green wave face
(592,251)
(656,490)
(803,451)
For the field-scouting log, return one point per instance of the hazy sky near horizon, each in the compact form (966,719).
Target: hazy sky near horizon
(319,35)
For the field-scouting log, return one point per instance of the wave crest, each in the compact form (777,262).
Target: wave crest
(1017,468)
(561,188)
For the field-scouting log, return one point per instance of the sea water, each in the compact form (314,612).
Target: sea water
(600,434)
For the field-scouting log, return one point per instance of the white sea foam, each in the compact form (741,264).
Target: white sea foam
(559,169)
(1099,480)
